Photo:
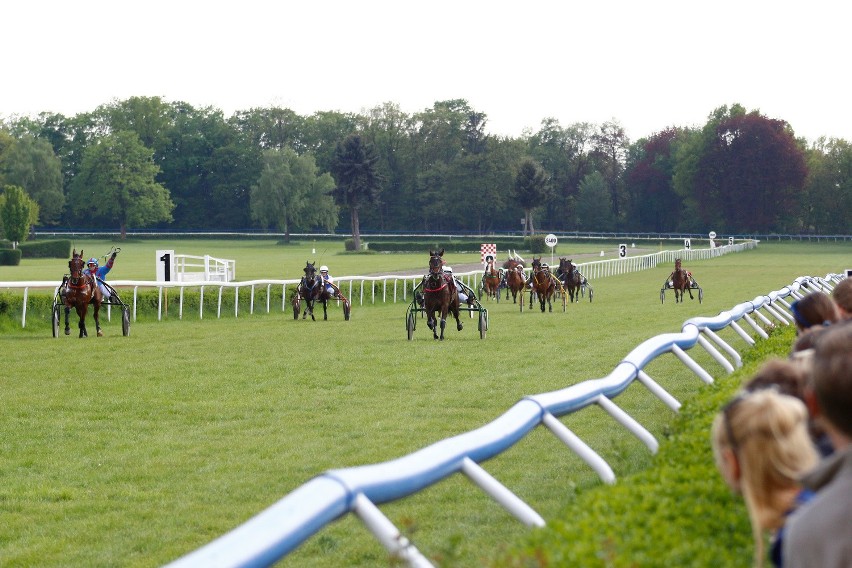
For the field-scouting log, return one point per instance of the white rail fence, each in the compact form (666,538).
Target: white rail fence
(390,288)
(276,531)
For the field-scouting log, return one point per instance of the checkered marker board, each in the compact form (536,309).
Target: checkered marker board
(487,250)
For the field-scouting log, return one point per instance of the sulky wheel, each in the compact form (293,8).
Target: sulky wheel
(409,325)
(125,321)
(483,325)
(56,320)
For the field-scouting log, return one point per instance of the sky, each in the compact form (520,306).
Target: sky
(645,64)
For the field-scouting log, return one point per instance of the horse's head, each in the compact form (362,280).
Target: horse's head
(310,272)
(536,264)
(436,261)
(76,264)
(677,264)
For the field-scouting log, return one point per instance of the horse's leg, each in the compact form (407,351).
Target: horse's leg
(325,309)
(81,313)
(67,325)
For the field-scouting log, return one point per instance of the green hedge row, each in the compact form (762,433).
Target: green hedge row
(677,512)
(9,257)
(60,248)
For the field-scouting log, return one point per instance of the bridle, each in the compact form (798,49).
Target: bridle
(436,274)
(76,279)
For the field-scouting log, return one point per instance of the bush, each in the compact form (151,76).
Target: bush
(535,244)
(9,257)
(46,249)
(678,512)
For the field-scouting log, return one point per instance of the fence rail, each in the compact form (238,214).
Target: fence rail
(359,289)
(276,531)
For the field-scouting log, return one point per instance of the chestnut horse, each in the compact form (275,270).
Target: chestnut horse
(491,279)
(516,282)
(571,278)
(439,295)
(80,290)
(681,280)
(543,284)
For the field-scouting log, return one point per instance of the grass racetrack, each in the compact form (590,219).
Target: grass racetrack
(132,451)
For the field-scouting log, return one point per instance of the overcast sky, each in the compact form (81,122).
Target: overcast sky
(647,64)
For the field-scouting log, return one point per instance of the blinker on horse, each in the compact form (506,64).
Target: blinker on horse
(81,290)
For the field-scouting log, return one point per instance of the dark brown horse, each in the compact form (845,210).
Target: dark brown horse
(543,284)
(439,295)
(571,278)
(80,290)
(681,280)
(511,264)
(310,291)
(491,279)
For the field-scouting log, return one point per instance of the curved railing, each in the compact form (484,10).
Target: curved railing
(276,531)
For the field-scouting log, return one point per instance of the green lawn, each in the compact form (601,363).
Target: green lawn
(132,451)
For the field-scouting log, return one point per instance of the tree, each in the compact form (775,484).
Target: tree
(31,164)
(594,212)
(532,189)
(116,184)
(291,195)
(827,199)
(358,181)
(654,204)
(17,211)
(611,145)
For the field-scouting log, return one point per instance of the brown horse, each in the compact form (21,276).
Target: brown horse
(310,290)
(571,278)
(439,295)
(543,284)
(79,291)
(491,279)
(511,264)
(681,280)
(516,282)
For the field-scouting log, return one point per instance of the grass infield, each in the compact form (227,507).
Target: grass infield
(132,451)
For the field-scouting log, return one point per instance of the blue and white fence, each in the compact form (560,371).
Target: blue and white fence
(275,532)
(391,288)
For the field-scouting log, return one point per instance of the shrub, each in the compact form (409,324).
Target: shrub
(9,257)
(535,244)
(60,248)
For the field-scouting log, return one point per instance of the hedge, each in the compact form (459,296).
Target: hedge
(10,257)
(677,512)
(60,248)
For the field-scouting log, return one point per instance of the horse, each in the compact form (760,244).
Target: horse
(681,280)
(310,290)
(543,284)
(510,265)
(491,279)
(439,295)
(80,290)
(571,278)
(515,282)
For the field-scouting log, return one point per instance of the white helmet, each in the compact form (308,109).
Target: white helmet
(448,269)
(323,268)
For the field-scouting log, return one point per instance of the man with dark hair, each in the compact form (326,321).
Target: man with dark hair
(820,533)
(842,296)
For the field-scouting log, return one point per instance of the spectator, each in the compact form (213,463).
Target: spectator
(789,378)
(820,533)
(815,309)
(842,296)
(761,444)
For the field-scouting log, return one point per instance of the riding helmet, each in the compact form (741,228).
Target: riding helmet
(93,261)
(323,268)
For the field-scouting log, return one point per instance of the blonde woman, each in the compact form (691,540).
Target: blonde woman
(762,446)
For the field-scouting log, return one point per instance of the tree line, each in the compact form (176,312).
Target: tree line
(144,162)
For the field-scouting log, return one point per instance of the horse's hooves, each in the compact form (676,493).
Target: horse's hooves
(460,326)
(100,333)
(67,331)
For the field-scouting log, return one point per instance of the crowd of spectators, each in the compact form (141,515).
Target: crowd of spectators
(785,441)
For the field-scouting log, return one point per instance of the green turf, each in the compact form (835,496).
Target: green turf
(135,450)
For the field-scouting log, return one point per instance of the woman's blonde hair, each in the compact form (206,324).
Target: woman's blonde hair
(768,435)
